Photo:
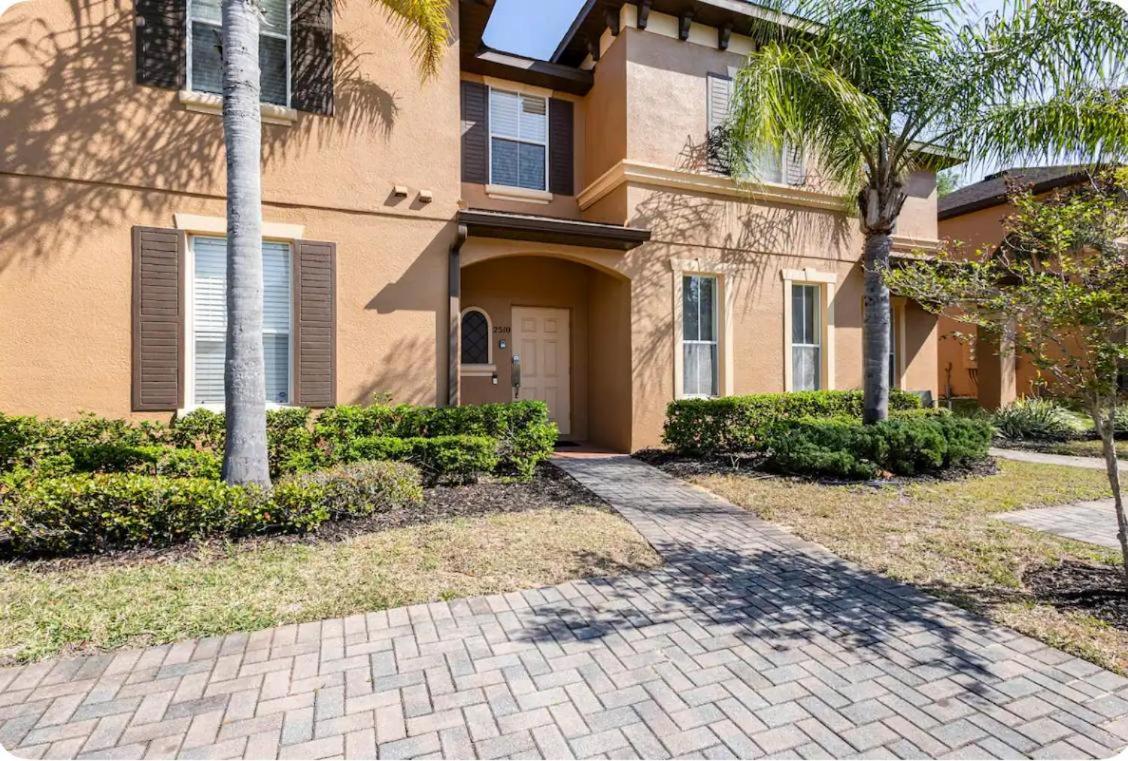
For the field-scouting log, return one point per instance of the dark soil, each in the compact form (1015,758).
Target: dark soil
(677,465)
(550,488)
(1098,590)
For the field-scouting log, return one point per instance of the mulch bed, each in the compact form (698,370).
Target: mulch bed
(1099,590)
(550,488)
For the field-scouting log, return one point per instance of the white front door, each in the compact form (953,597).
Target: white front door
(540,340)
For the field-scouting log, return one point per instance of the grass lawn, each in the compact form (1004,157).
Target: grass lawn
(1077,448)
(941,536)
(66,606)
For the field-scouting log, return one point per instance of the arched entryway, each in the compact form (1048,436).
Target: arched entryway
(556,329)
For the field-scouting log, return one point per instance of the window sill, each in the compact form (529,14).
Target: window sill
(478,371)
(219,408)
(210,103)
(518,194)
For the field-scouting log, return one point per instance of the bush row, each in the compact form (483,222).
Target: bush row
(733,424)
(906,445)
(520,434)
(103,511)
(457,459)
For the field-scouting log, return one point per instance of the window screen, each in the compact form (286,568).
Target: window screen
(518,140)
(206,49)
(699,335)
(806,338)
(209,319)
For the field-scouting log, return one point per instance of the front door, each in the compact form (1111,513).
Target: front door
(540,341)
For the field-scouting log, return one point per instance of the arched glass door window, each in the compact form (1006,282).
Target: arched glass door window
(475,337)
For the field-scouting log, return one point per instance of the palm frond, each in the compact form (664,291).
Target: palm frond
(784,94)
(428,24)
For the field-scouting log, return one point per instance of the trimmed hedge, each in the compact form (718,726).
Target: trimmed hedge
(734,424)
(521,433)
(906,445)
(99,512)
(442,459)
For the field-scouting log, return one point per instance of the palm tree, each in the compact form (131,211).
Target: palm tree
(244,383)
(873,88)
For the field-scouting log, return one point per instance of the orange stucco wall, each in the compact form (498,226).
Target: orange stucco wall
(87,154)
(92,154)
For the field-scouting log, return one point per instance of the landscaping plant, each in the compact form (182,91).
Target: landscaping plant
(876,89)
(1056,288)
(1034,419)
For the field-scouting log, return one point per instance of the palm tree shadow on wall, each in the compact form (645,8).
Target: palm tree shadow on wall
(86,148)
(758,237)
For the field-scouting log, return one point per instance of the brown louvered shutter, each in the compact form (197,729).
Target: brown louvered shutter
(315,324)
(560,147)
(158,318)
(311,56)
(475,132)
(159,43)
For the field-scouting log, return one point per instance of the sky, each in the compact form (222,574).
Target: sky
(533,28)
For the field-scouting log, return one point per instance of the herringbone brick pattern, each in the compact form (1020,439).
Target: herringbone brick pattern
(749,642)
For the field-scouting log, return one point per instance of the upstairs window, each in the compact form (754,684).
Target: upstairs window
(205,49)
(518,140)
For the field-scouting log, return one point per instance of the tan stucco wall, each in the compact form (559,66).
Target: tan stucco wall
(87,154)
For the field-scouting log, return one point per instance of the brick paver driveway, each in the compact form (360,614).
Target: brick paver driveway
(749,642)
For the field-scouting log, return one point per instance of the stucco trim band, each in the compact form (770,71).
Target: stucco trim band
(200,224)
(209,103)
(907,244)
(642,173)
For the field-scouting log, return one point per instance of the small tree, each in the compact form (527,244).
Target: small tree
(1058,288)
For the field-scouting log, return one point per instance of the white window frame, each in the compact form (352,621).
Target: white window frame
(490,367)
(716,330)
(826,282)
(724,273)
(190,327)
(263,30)
(537,193)
(897,341)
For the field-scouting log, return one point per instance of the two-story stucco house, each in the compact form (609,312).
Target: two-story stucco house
(511,228)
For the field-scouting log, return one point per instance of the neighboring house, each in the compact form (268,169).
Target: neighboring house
(971,365)
(512,228)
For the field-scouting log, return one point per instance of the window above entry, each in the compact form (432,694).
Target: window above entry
(177,47)
(517,141)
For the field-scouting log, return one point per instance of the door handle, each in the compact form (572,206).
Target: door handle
(516,375)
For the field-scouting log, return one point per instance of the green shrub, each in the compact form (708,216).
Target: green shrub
(199,429)
(522,430)
(96,512)
(731,424)
(147,460)
(905,445)
(1034,419)
(363,488)
(442,459)
(26,440)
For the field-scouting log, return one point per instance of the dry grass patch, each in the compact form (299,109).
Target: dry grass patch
(941,536)
(50,608)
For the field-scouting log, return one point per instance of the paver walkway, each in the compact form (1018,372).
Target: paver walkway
(749,642)
(1025,455)
(1093,522)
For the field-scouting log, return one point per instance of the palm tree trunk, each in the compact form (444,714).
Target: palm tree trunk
(244,377)
(875,328)
(1106,426)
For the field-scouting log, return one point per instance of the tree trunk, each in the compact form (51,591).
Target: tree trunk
(875,328)
(1106,426)
(244,377)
